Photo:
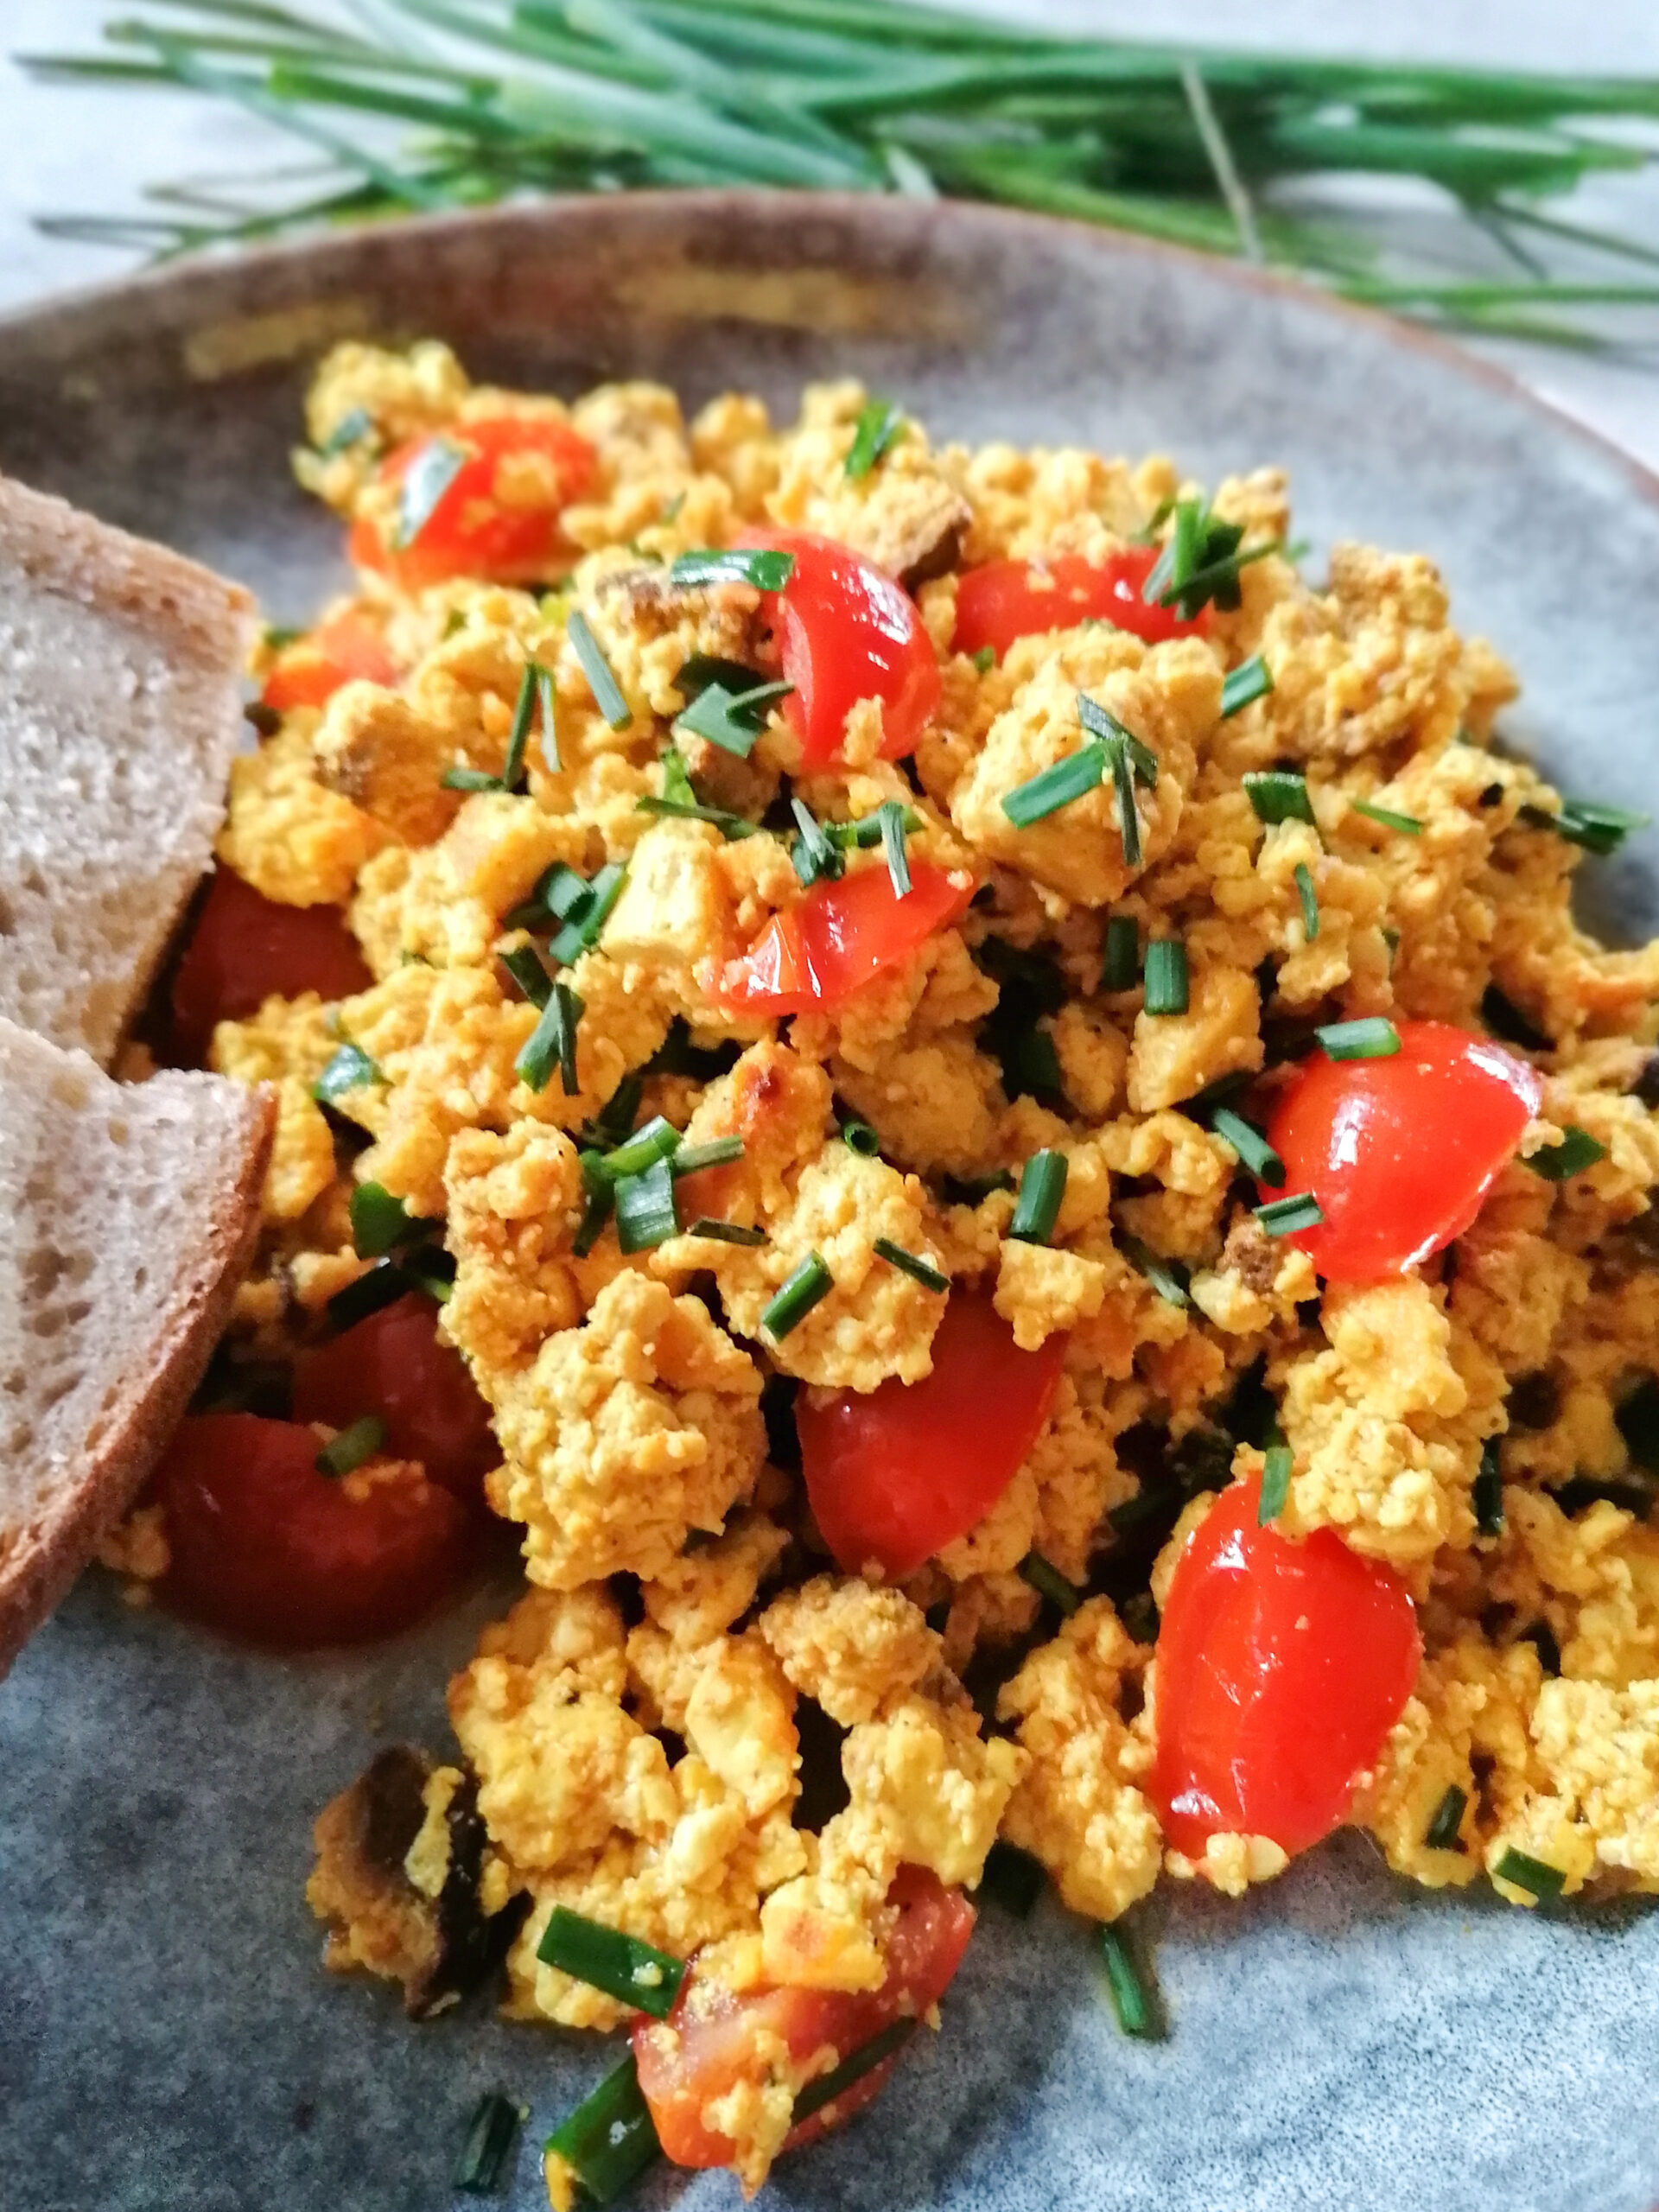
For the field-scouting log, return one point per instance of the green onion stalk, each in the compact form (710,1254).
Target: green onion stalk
(421,105)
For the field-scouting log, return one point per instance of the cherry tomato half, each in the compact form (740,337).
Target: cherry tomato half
(713,2040)
(394,1364)
(244,947)
(1006,599)
(497,517)
(309,671)
(1401,1152)
(269,1549)
(897,1472)
(831,943)
(846,631)
(1281,1668)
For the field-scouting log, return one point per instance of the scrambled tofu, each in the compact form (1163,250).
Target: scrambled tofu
(679,1217)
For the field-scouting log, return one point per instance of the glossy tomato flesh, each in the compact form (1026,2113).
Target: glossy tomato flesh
(308,672)
(895,1473)
(499,515)
(1281,1668)
(1401,1152)
(395,1364)
(839,937)
(713,2040)
(266,1549)
(244,947)
(846,631)
(1006,599)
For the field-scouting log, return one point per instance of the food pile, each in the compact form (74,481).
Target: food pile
(981,1114)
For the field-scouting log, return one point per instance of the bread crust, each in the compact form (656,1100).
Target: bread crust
(45,1559)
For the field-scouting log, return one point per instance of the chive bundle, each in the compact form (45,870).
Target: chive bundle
(1200,562)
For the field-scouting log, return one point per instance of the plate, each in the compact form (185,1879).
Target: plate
(1338,2039)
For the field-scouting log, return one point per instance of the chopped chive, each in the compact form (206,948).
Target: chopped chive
(731,720)
(583,907)
(859,1137)
(810,1282)
(1042,1187)
(553,1041)
(460,778)
(608,695)
(1167,987)
(1167,1277)
(985,659)
(1535,1876)
(524,713)
(1487,1495)
(1013,1878)
(921,1271)
(1131,2000)
(383,1284)
(1100,722)
(879,429)
(646,1213)
(1054,787)
(609,2140)
(864,2060)
(655,1141)
(1128,819)
(814,855)
(1030,1066)
(1253,1151)
(725,1232)
(527,968)
(891,815)
(356,424)
(735,564)
(1278,795)
(489,2137)
(870,829)
(700,670)
(277,636)
(1387,819)
(1577,1150)
(1304,891)
(718,1152)
(1587,822)
(1121,968)
(1442,1832)
(730,826)
(1048,1582)
(1372,1037)
(380,1221)
(1275,1484)
(1200,562)
(349,1068)
(595,1212)
(427,477)
(1284,1217)
(546,697)
(624,1968)
(352,1446)
(1243,685)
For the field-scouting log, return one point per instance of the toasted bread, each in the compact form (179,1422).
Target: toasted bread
(119,713)
(130,1212)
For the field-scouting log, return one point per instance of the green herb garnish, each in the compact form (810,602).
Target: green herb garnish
(1577,1150)
(1167,986)
(352,1446)
(1131,1999)
(490,2133)
(1442,1831)
(380,1221)
(1046,792)
(984,660)
(608,695)
(1121,968)
(921,1271)
(632,1972)
(1535,1876)
(356,424)
(1304,891)
(1200,562)
(349,1068)
(552,1042)
(645,1210)
(725,1232)
(765,570)
(609,2140)
(817,858)
(1278,795)
(858,1137)
(732,720)
(1275,1483)
(1374,1036)
(1285,1217)
(1487,1496)
(1385,817)
(1587,822)
(1042,1187)
(1253,1151)
(811,1283)
(718,1152)
(655,1141)
(1249,681)
(879,429)
(891,816)
(383,1284)
(864,2060)
(1167,1277)
(1050,1584)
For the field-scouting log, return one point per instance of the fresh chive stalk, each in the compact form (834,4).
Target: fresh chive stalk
(632,1972)
(1374,1036)
(1588,822)
(1101,722)
(609,2140)
(490,2133)
(816,857)
(879,429)
(1167,1277)
(1056,786)
(349,1068)
(810,1283)
(731,826)
(826,2087)
(1304,882)
(918,1270)
(732,720)
(1278,795)
(655,1141)
(1253,1151)
(1386,818)
(1251,681)
(1013,1878)
(552,1042)
(354,1444)
(1442,1832)
(608,695)
(1577,1150)
(1487,1496)
(1121,967)
(1042,1187)
(725,1232)
(1285,1217)
(599,1199)
(870,829)
(1131,1998)
(859,1137)
(1275,1483)
(646,1214)
(1050,1584)
(458,777)
(380,1221)
(891,815)
(765,570)
(382,1284)
(1535,1876)
(718,1152)
(1167,986)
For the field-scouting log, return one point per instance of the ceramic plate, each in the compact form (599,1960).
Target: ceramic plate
(1339,2041)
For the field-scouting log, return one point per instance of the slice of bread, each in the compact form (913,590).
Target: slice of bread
(131,1211)
(119,713)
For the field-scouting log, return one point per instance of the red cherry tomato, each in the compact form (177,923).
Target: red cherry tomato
(243,948)
(395,1364)
(824,947)
(491,520)
(713,2040)
(267,1548)
(1401,1152)
(1281,1668)
(896,1472)
(846,632)
(1006,599)
(310,670)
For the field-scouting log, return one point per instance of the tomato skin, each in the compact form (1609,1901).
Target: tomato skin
(469,532)
(268,1550)
(712,2034)
(1006,599)
(1281,1668)
(1400,1151)
(309,671)
(896,1472)
(395,1364)
(244,947)
(838,937)
(846,630)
